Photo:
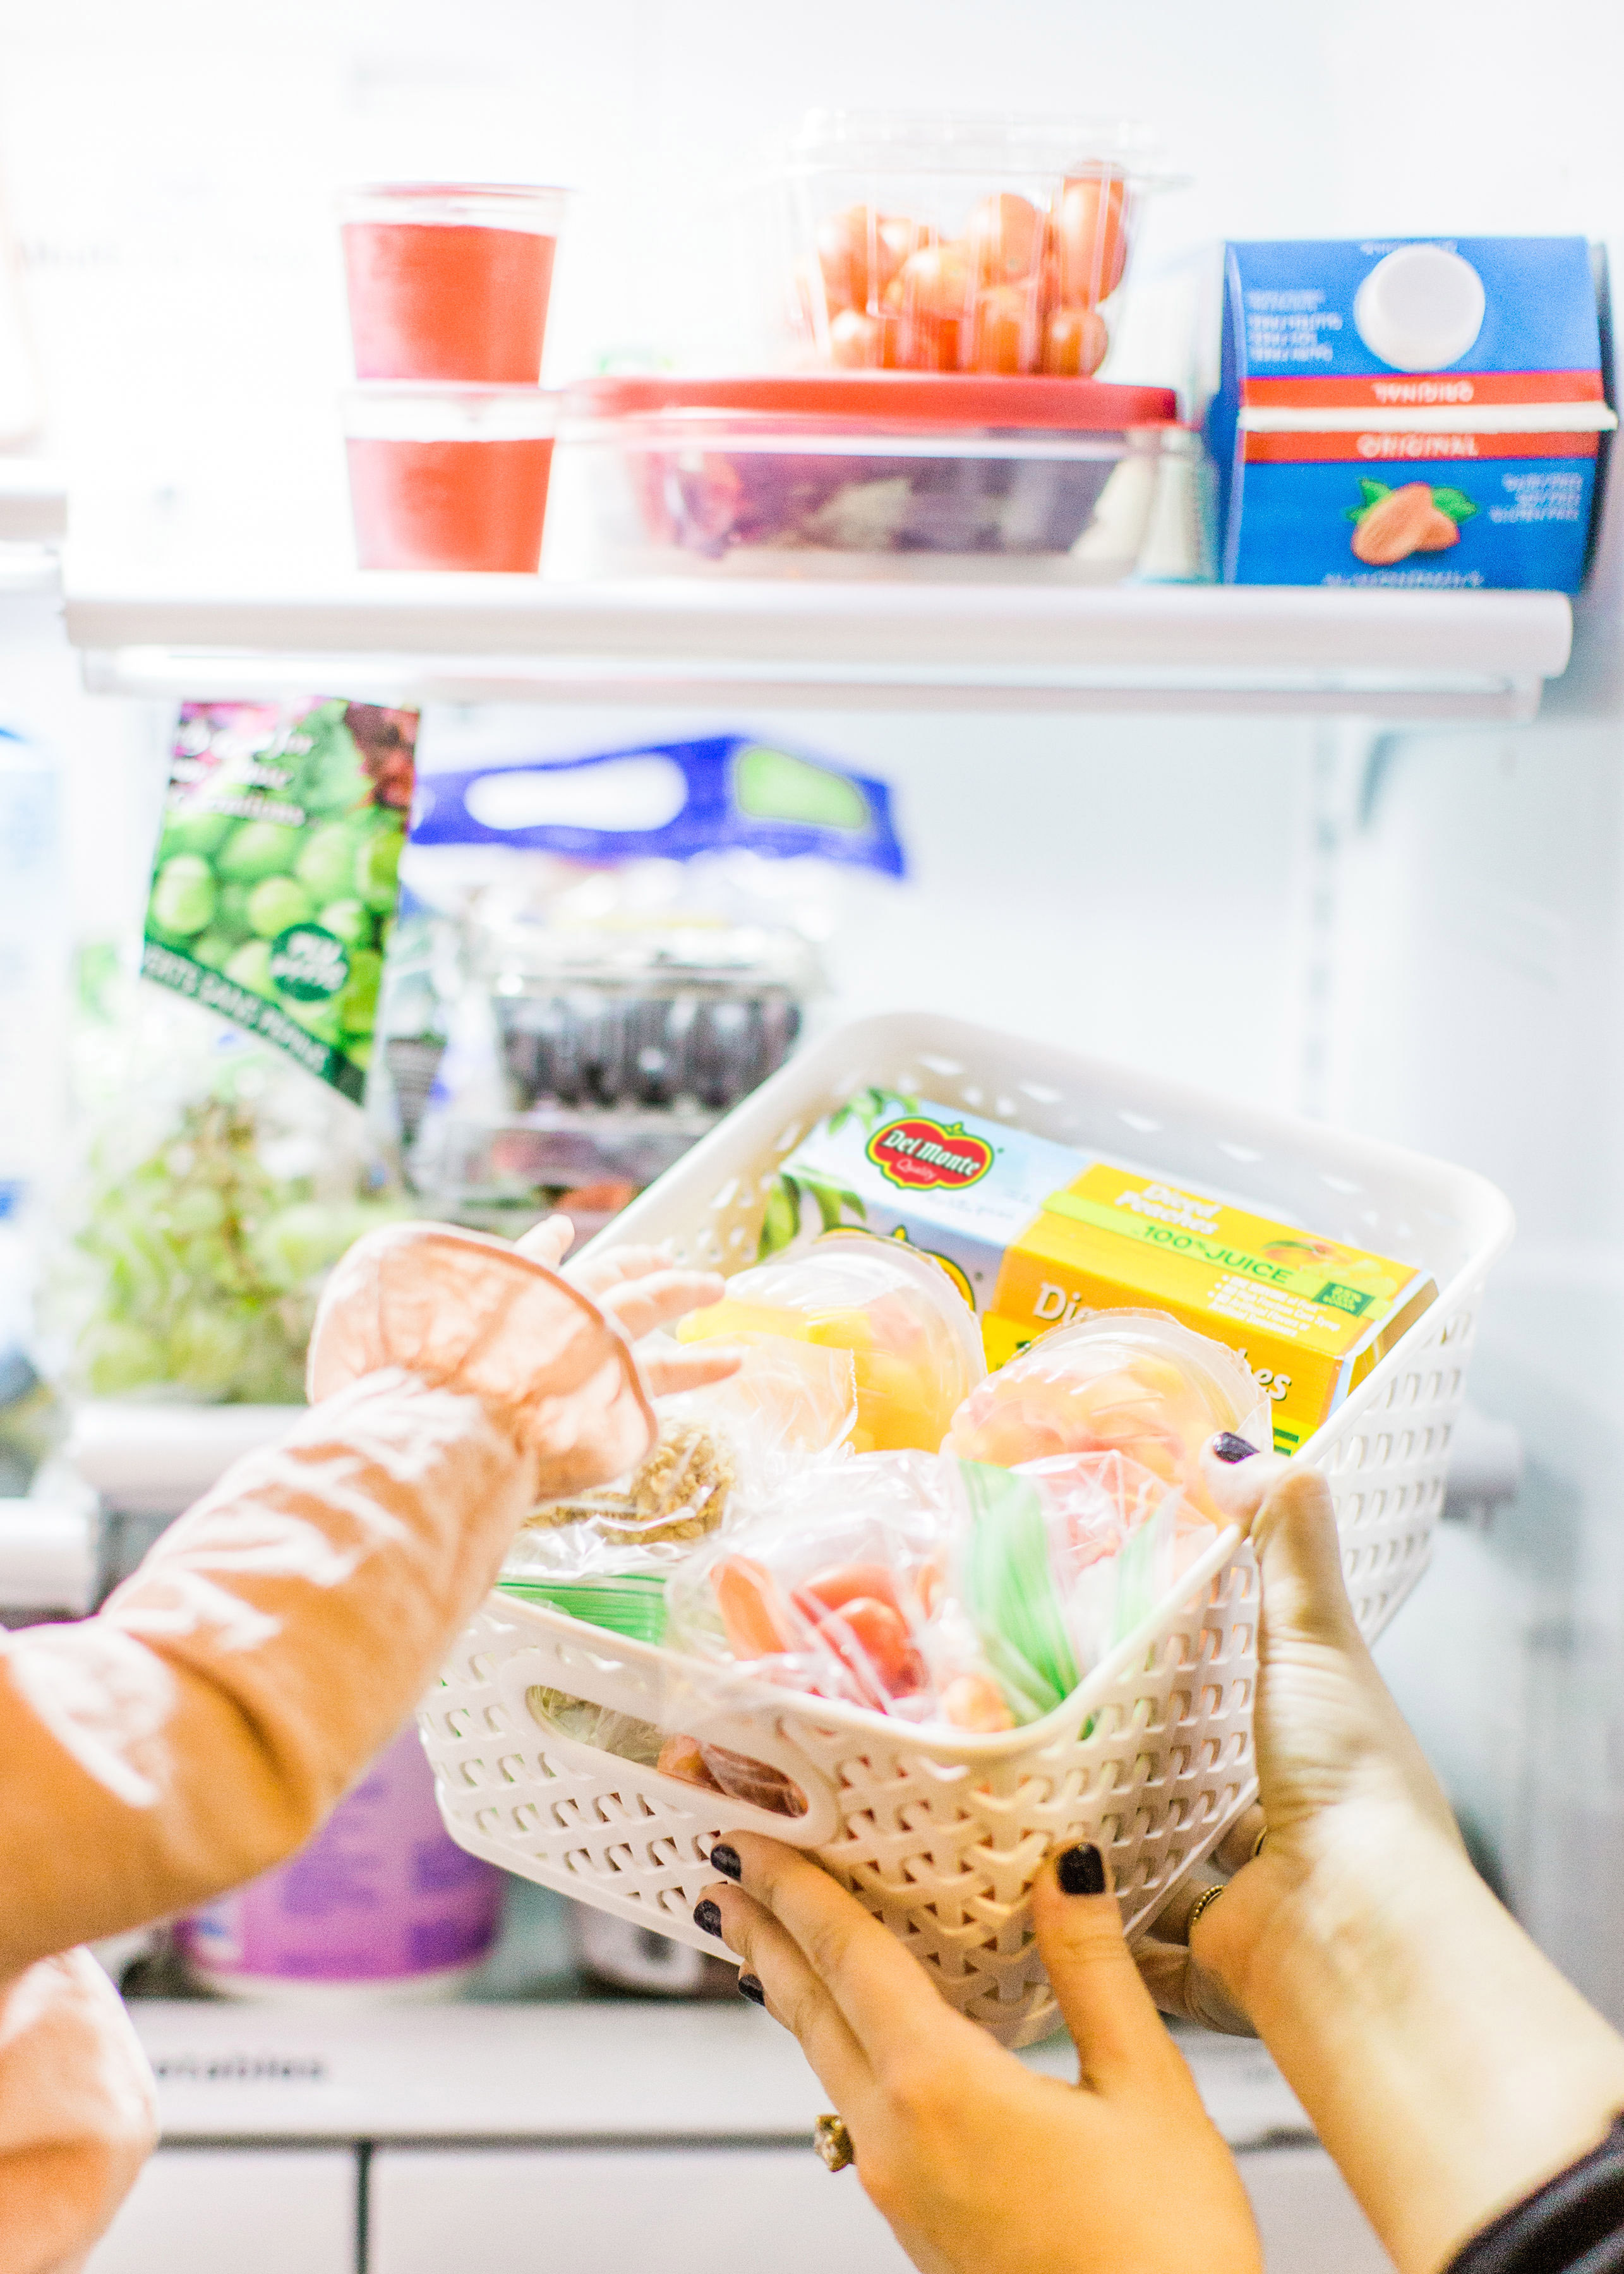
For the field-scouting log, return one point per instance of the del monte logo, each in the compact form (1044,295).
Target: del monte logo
(921,1154)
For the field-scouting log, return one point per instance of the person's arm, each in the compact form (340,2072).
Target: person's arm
(77,2118)
(200,1725)
(1445,2062)
(980,2165)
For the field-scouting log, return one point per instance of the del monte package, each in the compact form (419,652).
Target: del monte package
(1415,411)
(275,882)
(1036,1235)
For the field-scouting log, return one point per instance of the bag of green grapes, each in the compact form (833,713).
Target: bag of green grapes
(274,886)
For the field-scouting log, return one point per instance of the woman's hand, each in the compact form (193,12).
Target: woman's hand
(641,1290)
(1446,2064)
(981,2166)
(1339,1771)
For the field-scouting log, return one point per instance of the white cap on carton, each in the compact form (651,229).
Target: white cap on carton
(1420,308)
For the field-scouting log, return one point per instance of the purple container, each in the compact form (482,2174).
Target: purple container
(382,1905)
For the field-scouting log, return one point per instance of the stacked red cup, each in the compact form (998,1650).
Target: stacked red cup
(448,432)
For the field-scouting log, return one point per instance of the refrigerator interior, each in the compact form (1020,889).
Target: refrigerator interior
(1414,929)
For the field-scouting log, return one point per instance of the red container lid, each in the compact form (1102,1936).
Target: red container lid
(941,399)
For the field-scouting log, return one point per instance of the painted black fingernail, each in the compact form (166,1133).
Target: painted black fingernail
(1081,1871)
(725,1860)
(707,1918)
(1229,1447)
(750,1987)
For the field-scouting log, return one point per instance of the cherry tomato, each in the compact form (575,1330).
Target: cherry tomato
(842,1583)
(1006,236)
(757,1619)
(1090,238)
(864,1629)
(970,1702)
(937,280)
(1007,329)
(857,340)
(860,250)
(1074,343)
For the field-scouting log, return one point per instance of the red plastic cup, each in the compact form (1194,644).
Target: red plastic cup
(449,476)
(449,280)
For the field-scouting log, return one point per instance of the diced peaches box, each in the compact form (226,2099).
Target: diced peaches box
(1034,1234)
(1410,411)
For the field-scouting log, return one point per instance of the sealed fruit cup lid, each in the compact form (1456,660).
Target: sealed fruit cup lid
(939,399)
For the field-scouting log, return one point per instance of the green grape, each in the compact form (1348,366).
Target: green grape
(327,865)
(198,833)
(251,967)
(331,777)
(208,1343)
(116,1357)
(377,870)
(297,1242)
(318,1018)
(183,900)
(357,1005)
(214,948)
(276,904)
(195,1208)
(348,921)
(257,849)
(232,914)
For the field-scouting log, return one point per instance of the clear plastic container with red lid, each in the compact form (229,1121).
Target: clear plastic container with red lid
(844,474)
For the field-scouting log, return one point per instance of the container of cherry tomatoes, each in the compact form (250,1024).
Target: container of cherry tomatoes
(848,474)
(954,243)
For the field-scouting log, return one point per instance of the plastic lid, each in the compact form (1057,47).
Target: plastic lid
(1420,308)
(923,398)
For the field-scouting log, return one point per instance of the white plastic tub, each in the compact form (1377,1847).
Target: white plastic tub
(943,1834)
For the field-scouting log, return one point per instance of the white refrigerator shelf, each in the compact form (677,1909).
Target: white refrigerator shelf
(1399,654)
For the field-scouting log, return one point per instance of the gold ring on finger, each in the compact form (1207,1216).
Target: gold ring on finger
(833,2142)
(1208,1897)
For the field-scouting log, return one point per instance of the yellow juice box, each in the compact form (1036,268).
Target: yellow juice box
(1308,1315)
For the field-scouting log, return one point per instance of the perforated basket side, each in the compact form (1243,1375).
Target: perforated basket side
(940,1837)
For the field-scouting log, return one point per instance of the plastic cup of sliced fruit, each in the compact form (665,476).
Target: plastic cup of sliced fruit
(449,280)
(449,476)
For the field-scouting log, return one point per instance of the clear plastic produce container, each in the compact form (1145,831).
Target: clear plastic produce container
(841,473)
(959,243)
(449,280)
(684,1016)
(449,476)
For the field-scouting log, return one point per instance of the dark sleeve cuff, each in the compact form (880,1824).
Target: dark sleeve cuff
(1573,2225)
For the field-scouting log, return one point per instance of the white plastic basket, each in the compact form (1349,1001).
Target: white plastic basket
(943,1835)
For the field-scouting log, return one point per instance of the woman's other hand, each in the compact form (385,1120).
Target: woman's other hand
(1339,1774)
(980,2165)
(1444,2063)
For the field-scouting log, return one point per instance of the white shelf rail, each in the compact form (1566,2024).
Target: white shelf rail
(1400,654)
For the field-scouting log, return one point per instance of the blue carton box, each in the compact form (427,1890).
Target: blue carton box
(1416,411)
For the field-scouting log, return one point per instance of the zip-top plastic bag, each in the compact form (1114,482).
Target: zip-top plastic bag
(914,1339)
(1135,1382)
(723,1453)
(938,1589)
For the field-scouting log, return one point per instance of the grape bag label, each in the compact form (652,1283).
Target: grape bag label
(273,885)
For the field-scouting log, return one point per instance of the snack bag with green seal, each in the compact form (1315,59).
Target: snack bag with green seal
(275,882)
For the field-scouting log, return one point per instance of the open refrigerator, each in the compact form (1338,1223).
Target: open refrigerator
(1352,856)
